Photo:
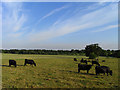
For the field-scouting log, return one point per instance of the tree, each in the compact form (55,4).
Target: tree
(94,49)
(92,55)
(116,54)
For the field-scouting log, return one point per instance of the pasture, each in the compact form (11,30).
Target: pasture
(55,71)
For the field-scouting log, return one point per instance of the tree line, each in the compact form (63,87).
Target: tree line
(45,52)
(92,51)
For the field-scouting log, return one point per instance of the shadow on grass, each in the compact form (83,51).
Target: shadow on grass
(77,72)
(9,66)
(20,65)
(4,65)
(87,73)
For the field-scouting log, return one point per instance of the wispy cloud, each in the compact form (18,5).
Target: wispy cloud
(13,19)
(77,23)
(55,32)
(51,13)
(106,28)
(14,24)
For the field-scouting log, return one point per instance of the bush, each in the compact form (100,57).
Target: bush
(92,55)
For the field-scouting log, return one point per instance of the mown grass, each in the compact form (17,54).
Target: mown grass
(55,71)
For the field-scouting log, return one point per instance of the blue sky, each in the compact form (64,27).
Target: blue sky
(59,25)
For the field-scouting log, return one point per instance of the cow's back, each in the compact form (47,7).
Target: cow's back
(99,69)
(29,61)
(105,68)
(84,67)
(12,61)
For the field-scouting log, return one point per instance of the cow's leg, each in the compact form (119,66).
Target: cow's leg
(96,73)
(87,71)
(24,64)
(107,74)
(9,65)
(78,70)
(31,64)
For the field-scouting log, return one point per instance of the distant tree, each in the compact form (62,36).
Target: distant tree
(116,54)
(109,52)
(92,55)
(93,50)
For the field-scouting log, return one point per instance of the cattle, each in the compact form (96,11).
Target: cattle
(95,62)
(103,60)
(103,69)
(84,67)
(12,62)
(83,61)
(31,62)
(75,59)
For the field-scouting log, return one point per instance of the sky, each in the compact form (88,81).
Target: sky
(59,25)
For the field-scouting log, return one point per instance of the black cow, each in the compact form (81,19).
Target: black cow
(103,69)
(12,62)
(31,62)
(75,59)
(84,67)
(95,62)
(83,61)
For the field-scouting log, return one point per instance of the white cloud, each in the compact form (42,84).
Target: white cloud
(61,27)
(13,18)
(106,28)
(91,20)
(51,13)
(19,23)
(52,33)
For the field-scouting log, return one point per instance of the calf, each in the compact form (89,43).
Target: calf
(83,61)
(75,59)
(95,62)
(84,67)
(103,69)
(12,62)
(31,62)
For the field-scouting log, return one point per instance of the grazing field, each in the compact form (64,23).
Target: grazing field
(55,71)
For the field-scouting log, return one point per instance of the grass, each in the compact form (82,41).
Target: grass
(55,71)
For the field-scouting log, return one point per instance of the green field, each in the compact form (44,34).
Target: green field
(55,71)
